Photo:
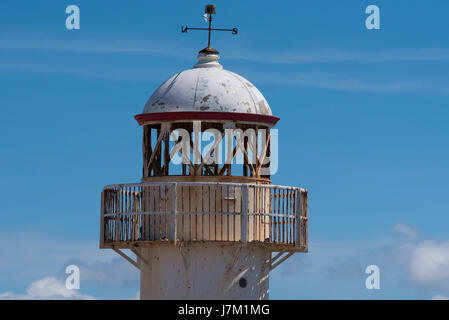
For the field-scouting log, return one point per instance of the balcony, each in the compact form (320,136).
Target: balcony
(141,213)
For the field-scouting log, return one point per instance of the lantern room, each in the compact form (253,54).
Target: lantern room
(201,104)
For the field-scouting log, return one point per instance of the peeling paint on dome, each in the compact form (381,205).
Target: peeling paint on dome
(263,109)
(209,87)
(206,98)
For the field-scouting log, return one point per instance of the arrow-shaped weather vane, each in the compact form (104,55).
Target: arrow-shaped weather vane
(210,10)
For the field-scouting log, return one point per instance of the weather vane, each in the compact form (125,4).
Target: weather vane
(210,10)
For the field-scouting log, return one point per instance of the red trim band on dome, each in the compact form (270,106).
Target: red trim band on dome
(206,115)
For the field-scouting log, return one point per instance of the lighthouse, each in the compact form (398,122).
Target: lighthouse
(205,221)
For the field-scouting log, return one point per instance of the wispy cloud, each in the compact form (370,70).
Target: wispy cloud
(345,83)
(32,256)
(429,264)
(404,230)
(47,288)
(341,55)
(293,56)
(52,68)
(117,272)
(407,264)
(304,80)
(135,73)
(440,297)
(45,44)
(46,254)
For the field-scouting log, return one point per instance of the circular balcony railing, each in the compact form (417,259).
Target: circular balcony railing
(133,214)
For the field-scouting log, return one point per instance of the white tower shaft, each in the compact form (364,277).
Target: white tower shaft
(204,271)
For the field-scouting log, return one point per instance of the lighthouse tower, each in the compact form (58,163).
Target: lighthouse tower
(205,222)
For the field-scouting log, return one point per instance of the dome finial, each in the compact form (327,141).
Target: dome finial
(209,11)
(208,59)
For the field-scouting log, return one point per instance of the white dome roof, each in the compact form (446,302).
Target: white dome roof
(207,87)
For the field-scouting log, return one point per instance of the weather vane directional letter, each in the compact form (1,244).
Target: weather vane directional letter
(210,10)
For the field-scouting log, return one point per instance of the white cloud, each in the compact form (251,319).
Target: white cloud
(341,82)
(345,83)
(440,297)
(407,263)
(33,256)
(404,230)
(47,255)
(341,55)
(38,42)
(117,272)
(429,264)
(47,288)
(410,266)
(45,44)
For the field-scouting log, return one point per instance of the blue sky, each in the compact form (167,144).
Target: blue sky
(364,127)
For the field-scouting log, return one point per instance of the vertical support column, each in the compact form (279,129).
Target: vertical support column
(196,147)
(167,150)
(147,152)
(267,152)
(174,210)
(244,224)
(228,128)
(102,220)
(144,152)
(245,159)
(144,148)
(298,218)
(304,221)
(158,151)
(118,210)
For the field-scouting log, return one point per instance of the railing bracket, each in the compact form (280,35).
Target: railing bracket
(277,260)
(120,252)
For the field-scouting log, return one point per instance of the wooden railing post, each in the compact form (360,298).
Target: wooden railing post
(102,219)
(305,221)
(174,210)
(118,210)
(244,224)
(298,216)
